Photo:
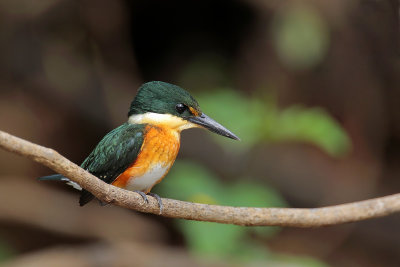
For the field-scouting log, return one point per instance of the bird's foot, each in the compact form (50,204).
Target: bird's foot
(143,195)
(160,204)
(157,197)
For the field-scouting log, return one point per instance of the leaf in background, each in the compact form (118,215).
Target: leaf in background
(312,125)
(5,252)
(246,194)
(241,115)
(301,36)
(257,122)
(212,239)
(249,194)
(192,182)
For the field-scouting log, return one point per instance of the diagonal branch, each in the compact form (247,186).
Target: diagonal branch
(332,215)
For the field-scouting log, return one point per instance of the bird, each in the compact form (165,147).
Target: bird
(138,154)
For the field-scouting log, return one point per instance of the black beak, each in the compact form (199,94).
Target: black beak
(210,124)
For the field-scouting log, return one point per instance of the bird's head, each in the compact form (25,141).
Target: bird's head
(168,104)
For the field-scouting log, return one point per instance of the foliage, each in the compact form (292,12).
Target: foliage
(5,252)
(301,36)
(258,120)
(212,240)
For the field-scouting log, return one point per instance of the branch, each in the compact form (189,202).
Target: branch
(293,217)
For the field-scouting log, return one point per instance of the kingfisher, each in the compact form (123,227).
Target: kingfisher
(138,154)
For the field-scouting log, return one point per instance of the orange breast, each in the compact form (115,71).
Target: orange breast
(158,153)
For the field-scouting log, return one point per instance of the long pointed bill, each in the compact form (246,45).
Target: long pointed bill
(210,124)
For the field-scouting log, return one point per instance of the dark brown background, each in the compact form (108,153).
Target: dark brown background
(69,69)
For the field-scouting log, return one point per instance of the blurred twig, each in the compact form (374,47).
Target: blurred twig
(355,211)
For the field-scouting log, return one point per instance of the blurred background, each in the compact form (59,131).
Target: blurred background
(311,87)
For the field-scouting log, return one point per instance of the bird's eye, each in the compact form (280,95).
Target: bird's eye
(180,108)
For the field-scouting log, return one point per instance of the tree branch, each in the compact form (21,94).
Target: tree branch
(293,217)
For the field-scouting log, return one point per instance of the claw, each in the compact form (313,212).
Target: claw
(160,204)
(143,195)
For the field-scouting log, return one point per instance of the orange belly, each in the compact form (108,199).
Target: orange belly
(158,153)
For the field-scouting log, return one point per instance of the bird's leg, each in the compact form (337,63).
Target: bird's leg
(143,195)
(160,204)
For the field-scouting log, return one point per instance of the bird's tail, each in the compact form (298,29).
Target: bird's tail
(53,177)
(60,177)
(85,198)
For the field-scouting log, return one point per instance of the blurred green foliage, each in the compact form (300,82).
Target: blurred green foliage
(5,252)
(301,36)
(191,182)
(259,120)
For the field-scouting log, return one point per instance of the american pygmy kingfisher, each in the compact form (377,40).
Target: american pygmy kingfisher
(138,154)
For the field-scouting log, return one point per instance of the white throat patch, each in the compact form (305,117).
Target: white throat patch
(169,120)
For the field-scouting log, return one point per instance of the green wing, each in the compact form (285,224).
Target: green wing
(113,155)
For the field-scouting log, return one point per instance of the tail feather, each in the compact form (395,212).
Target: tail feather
(53,177)
(60,177)
(85,198)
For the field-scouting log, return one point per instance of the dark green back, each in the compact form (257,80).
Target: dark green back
(113,155)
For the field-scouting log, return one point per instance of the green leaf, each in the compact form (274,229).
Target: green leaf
(246,194)
(258,121)
(212,239)
(301,36)
(252,195)
(312,125)
(5,252)
(190,182)
(243,116)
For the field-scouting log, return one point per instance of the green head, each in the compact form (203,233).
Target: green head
(155,99)
(161,97)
